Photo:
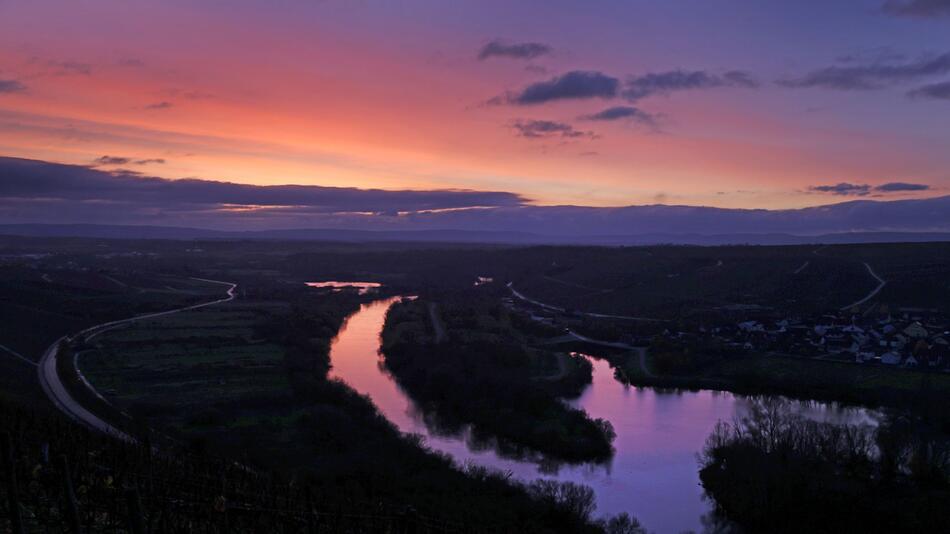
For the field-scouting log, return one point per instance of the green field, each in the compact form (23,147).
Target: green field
(181,367)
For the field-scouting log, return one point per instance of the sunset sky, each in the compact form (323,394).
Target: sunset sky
(727,103)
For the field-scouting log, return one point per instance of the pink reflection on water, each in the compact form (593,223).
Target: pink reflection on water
(654,472)
(362,287)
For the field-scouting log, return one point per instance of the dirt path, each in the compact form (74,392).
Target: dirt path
(437,325)
(881,283)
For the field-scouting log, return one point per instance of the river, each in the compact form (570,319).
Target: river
(654,472)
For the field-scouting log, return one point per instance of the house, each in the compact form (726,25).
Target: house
(890,358)
(916,331)
(751,326)
(899,341)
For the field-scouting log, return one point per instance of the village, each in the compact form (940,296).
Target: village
(908,337)
(905,337)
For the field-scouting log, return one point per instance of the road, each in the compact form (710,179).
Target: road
(17,355)
(58,393)
(641,351)
(525,298)
(871,295)
(592,341)
(437,326)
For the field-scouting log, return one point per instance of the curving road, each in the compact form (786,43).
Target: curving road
(521,296)
(56,390)
(881,283)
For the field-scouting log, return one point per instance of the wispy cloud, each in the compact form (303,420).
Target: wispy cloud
(119,160)
(843,188)
(935,91)
(869,76)
(860,190)
(618,113)
(664,83)
(541,129)
(159,105)
(11,86)
(918,8)
(68,67)
(131,62)
(111,160)
(502,49)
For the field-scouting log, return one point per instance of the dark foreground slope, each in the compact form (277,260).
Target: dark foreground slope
(66,475)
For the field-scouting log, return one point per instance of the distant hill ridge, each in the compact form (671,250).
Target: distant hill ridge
(459,236)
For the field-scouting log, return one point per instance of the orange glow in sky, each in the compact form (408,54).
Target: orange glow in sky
(341,94)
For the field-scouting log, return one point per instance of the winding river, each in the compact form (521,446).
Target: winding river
(654,473)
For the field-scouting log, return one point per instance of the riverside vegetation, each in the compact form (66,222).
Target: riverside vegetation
(485,374)
(772,471)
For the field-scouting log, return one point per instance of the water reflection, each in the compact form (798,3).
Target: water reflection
(653,474)
(361,287)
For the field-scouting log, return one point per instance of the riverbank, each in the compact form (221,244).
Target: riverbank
(484,374)
(249,381)
(799,378)
(773,471)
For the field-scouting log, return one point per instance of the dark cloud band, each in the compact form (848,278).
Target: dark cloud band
(34,181)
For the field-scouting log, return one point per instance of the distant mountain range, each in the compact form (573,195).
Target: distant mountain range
(457,236)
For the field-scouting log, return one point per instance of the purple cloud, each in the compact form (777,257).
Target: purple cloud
(11,86)
(894,187)
(935,91)
(573,85)
(28,181)
(873,75)
(664,83)
(617,113)
(918,8)
(502,49)
(843,188)
(117,160)
(860,190)
(539,129)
